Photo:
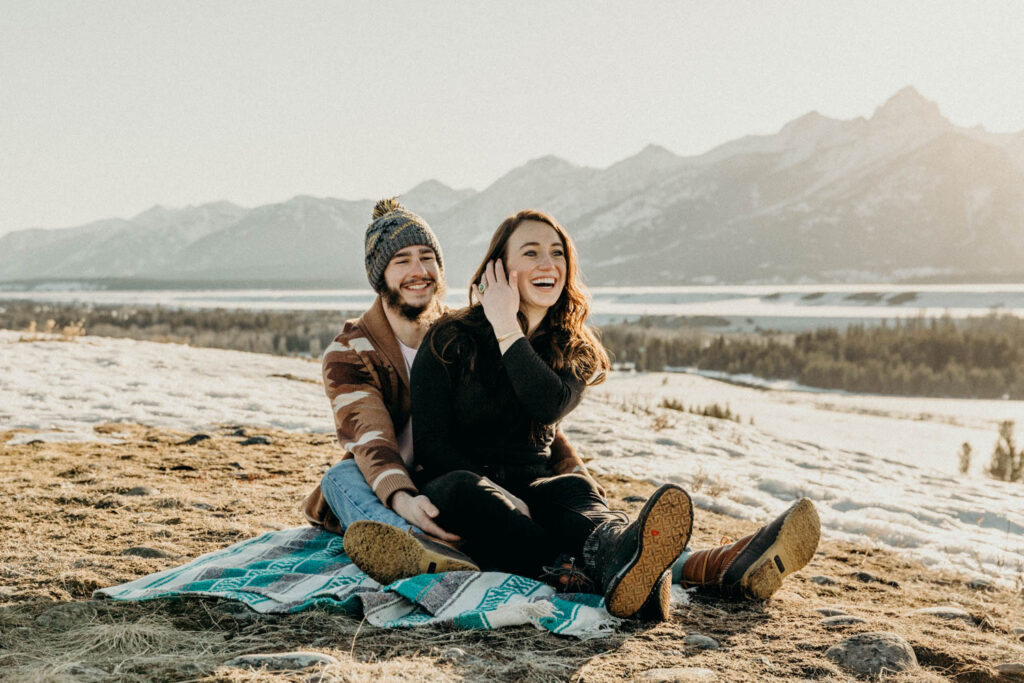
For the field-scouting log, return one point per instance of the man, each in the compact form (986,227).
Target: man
(366,378)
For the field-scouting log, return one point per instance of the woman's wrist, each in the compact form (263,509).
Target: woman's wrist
(505,341)
(507,335)
(505,326)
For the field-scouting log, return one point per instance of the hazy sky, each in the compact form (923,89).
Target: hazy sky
(107,108)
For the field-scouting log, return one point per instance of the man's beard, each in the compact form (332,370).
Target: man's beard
(393,298)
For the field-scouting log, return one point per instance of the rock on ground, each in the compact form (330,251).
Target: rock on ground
(454,654)
(946,613)
(840,620)
(830,611)
(142,491)
(686,674)
(87,674)
(701,641)
(865,577)
(870,654)
(238,611)
(65,616)
(281,661)
(143,551)
(1011,669)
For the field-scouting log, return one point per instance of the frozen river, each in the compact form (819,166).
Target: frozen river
(738,307)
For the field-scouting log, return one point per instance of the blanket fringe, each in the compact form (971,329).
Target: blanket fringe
(535,611)
(680,595)
(599,629)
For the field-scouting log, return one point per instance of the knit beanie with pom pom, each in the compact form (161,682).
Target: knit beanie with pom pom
(394,227)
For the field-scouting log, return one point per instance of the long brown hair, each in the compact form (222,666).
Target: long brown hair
(572,344)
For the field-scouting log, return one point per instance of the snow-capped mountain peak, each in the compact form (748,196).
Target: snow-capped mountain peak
(821,199)
(909,107)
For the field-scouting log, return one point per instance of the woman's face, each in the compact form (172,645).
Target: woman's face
(536,252)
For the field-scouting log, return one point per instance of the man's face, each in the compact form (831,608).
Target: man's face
(412,281)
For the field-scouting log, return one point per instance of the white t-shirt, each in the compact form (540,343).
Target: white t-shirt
(405,436)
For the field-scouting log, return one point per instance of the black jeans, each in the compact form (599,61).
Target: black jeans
(564,510)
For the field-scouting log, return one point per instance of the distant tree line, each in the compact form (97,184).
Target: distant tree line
(977,357)
(303,333)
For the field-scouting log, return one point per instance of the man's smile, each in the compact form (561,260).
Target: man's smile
(418,285)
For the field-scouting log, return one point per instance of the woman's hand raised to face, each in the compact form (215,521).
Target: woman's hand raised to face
(499,295)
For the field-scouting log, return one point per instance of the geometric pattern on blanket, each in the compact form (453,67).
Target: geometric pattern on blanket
(297,569)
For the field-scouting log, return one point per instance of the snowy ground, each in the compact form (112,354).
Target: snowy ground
(921,431)
(880,469)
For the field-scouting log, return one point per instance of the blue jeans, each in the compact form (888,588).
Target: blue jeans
(351,499)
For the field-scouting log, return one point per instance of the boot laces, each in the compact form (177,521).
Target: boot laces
(566,576)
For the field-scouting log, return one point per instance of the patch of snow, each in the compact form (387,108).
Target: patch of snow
(73,386)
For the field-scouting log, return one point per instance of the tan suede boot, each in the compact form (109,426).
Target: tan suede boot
(754,567)
(387,554)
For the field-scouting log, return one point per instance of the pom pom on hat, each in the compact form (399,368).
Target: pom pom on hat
(386,206)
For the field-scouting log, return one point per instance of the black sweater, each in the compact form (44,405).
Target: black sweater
(497,419)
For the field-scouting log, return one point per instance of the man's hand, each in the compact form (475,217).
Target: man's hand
(419,511)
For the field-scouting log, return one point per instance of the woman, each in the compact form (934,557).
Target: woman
(489,386)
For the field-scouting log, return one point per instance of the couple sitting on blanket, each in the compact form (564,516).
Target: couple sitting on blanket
(453,456)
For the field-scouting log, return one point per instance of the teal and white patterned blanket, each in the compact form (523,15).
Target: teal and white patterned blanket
(295,569)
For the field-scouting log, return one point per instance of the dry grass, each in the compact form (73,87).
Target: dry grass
(66,519)
(701,481)
(69,332)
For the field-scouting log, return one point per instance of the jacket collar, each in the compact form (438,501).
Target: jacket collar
(378,330)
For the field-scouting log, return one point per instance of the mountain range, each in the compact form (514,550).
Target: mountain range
(904,193)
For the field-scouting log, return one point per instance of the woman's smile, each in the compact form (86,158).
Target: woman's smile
(536,252)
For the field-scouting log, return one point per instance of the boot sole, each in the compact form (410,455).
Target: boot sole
(791,549)
(387,554)
(667,521)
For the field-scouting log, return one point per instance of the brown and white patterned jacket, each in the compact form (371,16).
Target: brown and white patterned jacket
(367,383)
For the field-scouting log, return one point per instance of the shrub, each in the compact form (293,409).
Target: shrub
(673,404)
(1007,460)
(711,410)
(965,457)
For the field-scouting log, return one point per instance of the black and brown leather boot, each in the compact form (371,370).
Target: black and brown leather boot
(658,606)
(567,576)
(627,560)
(386,553)
(754,567)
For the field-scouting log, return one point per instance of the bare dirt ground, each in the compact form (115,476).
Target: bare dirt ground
(69,513)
